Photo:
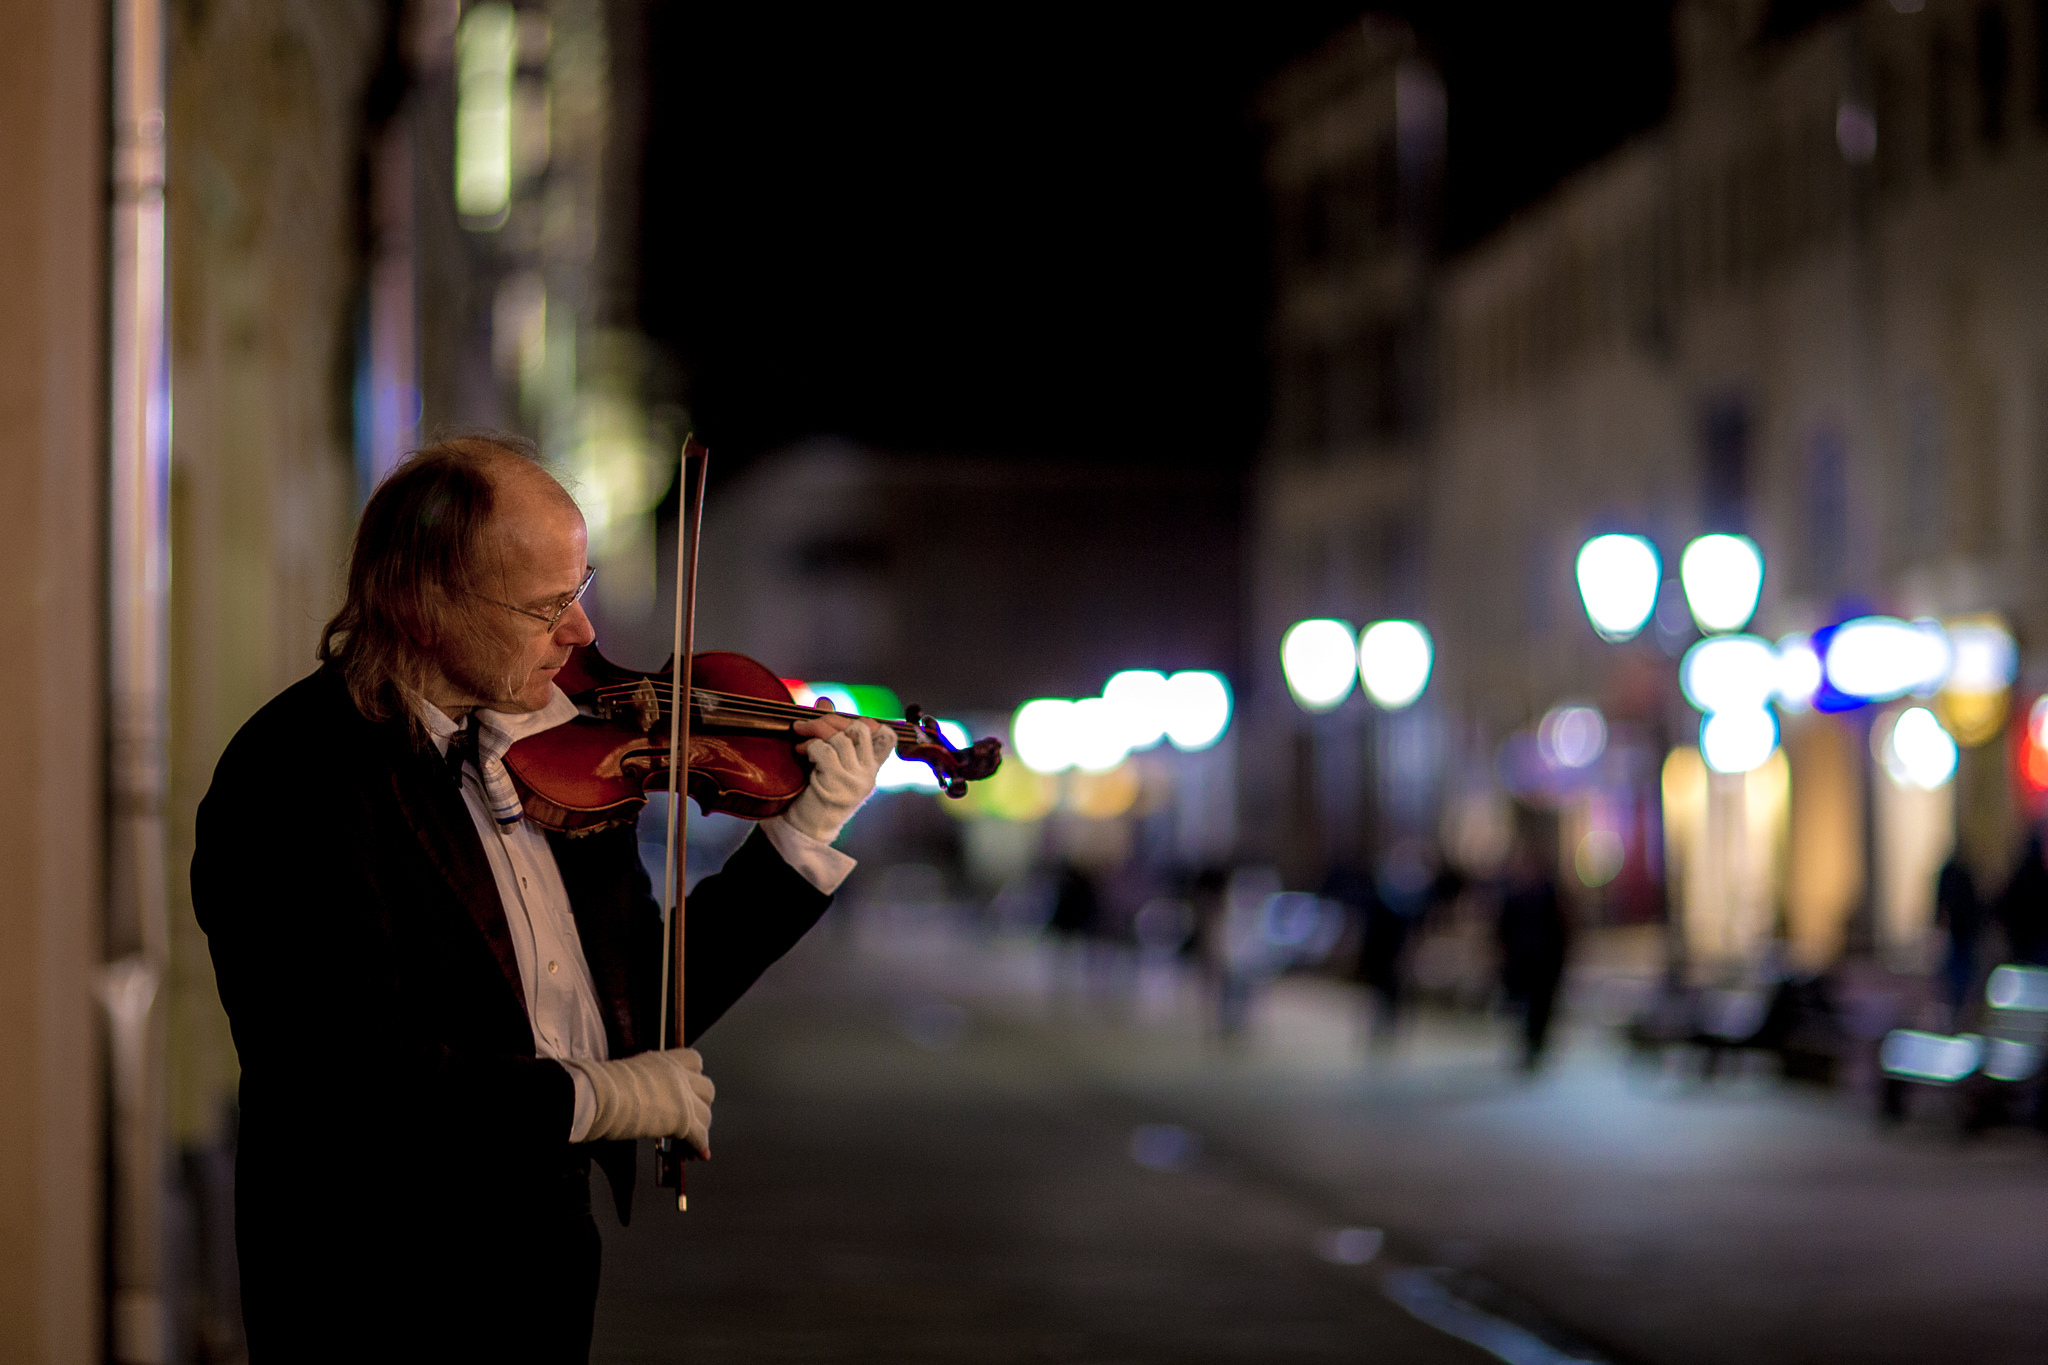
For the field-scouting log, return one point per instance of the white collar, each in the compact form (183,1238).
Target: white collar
(515,724)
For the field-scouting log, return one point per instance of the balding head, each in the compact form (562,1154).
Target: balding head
(469,516)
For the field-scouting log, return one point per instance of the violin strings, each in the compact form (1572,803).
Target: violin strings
(708,700)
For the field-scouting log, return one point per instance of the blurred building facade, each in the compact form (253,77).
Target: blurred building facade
(53,253)
(326,304)
(829,560)
(965,585)
(1806,309)
(1354,168)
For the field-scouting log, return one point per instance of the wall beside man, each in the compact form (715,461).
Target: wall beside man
(52,250)
(270,127)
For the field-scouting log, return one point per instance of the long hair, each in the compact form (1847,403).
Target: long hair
(421,546)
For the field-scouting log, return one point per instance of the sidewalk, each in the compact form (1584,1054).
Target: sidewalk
(1669,1219)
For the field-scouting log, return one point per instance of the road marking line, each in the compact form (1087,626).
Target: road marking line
(1425,1298)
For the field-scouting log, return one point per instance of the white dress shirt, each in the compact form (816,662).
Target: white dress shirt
(561,998)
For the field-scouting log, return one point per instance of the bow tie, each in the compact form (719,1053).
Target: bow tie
(487,752)
(462,748)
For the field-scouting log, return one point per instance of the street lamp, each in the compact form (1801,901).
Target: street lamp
(1618,580)
(1394,659)
(1197,709)
(1877,658)
(1737,741)
(1722,576)
(1320,659)
(1918,751)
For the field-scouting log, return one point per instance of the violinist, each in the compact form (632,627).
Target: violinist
(444,1014)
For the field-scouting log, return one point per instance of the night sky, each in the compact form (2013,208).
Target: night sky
(1041,232)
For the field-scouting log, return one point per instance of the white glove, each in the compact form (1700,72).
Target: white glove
(651,1094)
(843,772)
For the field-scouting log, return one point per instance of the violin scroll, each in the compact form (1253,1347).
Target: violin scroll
(954,767)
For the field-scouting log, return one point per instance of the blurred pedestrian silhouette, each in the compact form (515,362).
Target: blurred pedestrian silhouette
(1230,919)
(1958,909)
(1207,893)
(1389,906)
(1076,925)
(1076,909)
(1532,941)
(2023,909)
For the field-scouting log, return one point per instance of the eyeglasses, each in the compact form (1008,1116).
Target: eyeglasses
(548,618)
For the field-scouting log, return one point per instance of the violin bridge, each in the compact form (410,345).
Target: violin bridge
(647,702)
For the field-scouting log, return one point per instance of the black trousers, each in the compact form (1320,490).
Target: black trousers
(503,1271)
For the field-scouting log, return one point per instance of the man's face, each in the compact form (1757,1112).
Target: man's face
(509,662)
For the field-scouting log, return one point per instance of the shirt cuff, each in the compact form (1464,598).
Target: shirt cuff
(816,861)
(585,1112)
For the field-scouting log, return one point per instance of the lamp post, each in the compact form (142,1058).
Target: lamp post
(1323,661)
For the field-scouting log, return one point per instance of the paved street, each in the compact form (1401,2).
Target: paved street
(931,1150)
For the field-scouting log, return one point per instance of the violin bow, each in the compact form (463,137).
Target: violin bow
(670,1153)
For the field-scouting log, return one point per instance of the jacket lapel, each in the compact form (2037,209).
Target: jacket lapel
(433,807)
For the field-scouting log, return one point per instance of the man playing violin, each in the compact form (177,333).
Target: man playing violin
(445,1015)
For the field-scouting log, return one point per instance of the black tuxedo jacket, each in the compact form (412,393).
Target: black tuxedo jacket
(403,1152)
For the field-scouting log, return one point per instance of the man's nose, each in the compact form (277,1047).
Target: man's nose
(574,628)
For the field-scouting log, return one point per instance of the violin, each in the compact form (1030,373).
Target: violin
(732,745)
(743,757)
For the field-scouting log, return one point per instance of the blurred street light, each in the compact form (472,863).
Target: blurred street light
(1918,752)
(1197,709)
(1723,576)
(1096,735)
(1737,741)
(1729,673)
(1878,658)
(1394,659)
(1042,731)
(1139,697)
(1572,736)
(1137,709)
(1320,659)
(1973,702)
(1799,672)
(487,56)
(1618,580)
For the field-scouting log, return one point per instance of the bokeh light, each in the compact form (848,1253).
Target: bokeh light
(1103,795)
(1877,658)
(486,58)
(1394,659)
(1139,697)
(1618,580)
(1197,709)
(1799,672)
(1095,736)
(1723,576)
(2033,746)
(1729,673)
(1320,660)
(1572,736)
(1042,731)
(1918,752)
(1598,858)
(1973,702)
(1737,741)
(2018,987)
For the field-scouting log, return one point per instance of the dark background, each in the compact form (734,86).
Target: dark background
(1041,232)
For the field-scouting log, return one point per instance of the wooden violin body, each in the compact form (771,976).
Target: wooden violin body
(744,759)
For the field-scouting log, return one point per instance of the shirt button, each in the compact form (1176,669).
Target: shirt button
(522,883)
(552,967)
